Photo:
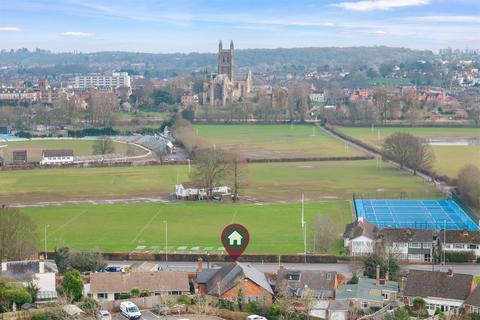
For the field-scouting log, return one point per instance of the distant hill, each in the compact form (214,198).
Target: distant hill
(258,59)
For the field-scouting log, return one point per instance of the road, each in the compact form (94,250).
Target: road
(473,269)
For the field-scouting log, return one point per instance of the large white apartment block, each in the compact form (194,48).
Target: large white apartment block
(117,79)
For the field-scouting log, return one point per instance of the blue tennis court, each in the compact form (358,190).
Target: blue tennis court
(428,214)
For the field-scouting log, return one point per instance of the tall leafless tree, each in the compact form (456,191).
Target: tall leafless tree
(237,171)
(18,236)
(210,169)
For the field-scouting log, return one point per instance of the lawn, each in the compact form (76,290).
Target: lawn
(276,141)
(449,159)
(80,147)
(140,227)
(267,182)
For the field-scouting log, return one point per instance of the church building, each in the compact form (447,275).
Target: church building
(223,87)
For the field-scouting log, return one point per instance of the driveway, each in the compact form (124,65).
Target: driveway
(148,315)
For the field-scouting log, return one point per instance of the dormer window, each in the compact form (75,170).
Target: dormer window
(329,276)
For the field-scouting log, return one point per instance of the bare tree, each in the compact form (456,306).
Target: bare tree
(211,168)
(468,184)
(18,237)
(237,171)
(103,145)
(308,301)
(298,100)
(101,105)
(408,151)
(324,233)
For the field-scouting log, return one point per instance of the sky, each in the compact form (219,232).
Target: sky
(161,26)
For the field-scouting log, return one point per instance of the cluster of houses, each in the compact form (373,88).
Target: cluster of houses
(333,296)
(198,191)
(361,238)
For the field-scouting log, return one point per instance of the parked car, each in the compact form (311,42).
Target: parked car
(130,311)
(113,269)
(255,317)
(104,315)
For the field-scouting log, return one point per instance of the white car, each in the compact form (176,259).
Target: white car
(256,317)
(104,315)
(130,311)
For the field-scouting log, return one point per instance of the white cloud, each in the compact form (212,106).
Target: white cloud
(10,29)
(380,32)
(78,34)
(369,5)
(455,19)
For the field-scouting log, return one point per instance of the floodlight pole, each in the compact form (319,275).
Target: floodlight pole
(305,241)
(166,241)
(46,226)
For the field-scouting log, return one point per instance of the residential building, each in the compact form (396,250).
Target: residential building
(39,272)
(472,304)
(189,99)
(19,156)
(227,282)
(115,80)
(446,291)
(360,237)
(54,157)
(324,284)
(460,240)
(368,293)
(110,285)
(14,94)
(408,244)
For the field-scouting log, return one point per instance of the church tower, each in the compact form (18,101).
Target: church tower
(226,61)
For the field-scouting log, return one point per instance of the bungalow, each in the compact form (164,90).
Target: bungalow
(19,156)
(472,304)
(409,244)
(330,309)
(111,285)
(460,240)
(324,284)
(227,282)
(53,157)
(360,237)
(39,272)
(369,293)
(446,291)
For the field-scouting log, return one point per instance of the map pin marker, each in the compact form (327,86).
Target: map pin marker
(235,238)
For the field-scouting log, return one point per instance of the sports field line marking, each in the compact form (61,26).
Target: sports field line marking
(68,222)
(234,216)
(146,226)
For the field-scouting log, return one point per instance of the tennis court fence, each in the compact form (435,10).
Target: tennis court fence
(472,215)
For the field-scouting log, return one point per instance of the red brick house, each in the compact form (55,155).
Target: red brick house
(228,281)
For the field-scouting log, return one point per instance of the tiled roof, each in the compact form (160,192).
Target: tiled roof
(460,236)
(57,153)
(438,284)
(365,289)
(321,282)
(24,270)
(150,281)
(362,227)
(225,278)
(407,235)
(474,298)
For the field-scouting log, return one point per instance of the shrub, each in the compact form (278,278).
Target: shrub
(354,280)
(125,295)
(252,307)
(374,309)
(460,256)
(72,285)
(185,300)
(43,316)
(274,311)
(135,293)
(90,306)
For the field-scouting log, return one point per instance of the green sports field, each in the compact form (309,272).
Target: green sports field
(276,141)
(449,159)
(35,147)
(268,182)
(192,226)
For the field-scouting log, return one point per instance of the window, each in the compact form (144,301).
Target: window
(295,276)
(427,245)
(458,245)
(102,295)
(385,295)
(252,299)
(174,293)
(415,245)
(473,246)
(329,276)
(364,304)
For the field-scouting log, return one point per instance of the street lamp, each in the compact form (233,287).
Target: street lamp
(166,240)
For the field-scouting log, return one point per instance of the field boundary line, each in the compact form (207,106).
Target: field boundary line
(146,226)
(68,222)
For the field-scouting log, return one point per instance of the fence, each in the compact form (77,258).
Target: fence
(396,196)
(465,208)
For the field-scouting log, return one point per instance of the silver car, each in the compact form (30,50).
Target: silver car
(104,315)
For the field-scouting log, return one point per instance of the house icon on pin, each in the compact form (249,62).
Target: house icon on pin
(235,239)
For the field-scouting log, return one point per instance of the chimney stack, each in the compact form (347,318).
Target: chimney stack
(377,278)
(199,265)
(450,272)
(41,264)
